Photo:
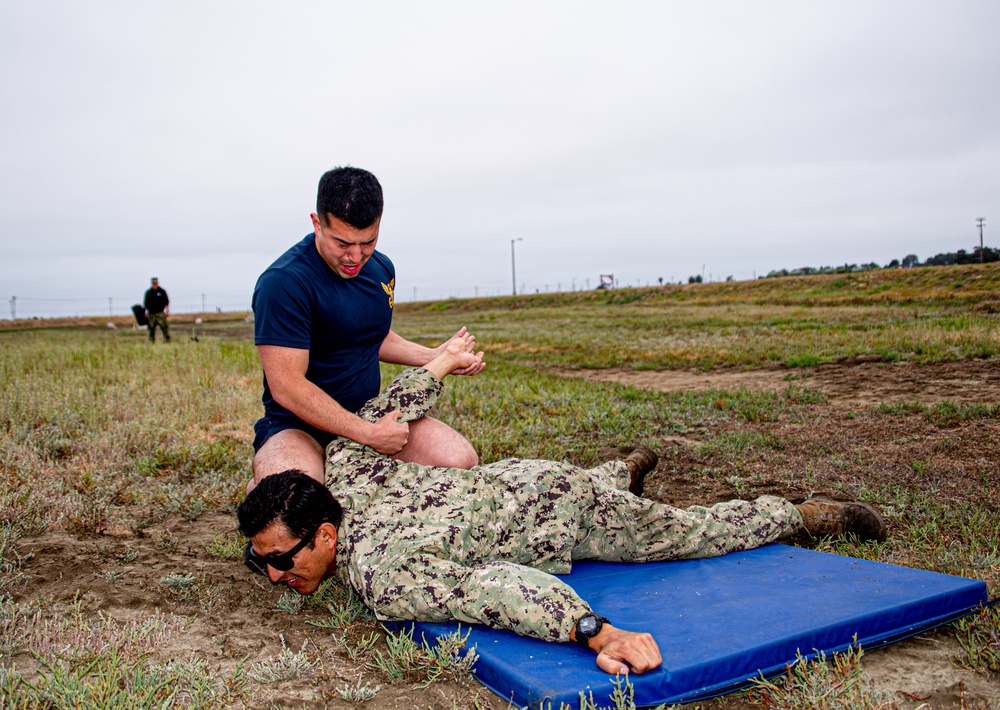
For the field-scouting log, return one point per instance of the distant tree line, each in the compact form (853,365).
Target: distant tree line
(909,261)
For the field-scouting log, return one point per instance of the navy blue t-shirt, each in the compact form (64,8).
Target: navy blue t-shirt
(299,302)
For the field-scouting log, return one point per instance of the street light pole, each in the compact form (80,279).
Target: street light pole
(513,271)
(979,223)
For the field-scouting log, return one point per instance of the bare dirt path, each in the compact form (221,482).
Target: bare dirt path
(852,382)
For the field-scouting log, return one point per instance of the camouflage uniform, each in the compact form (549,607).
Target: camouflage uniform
(481,546)
(158,320)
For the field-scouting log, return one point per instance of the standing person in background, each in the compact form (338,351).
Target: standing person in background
(157,307)
(322,324)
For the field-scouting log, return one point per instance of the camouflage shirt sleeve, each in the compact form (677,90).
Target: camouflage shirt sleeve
(412,392)
(498,594)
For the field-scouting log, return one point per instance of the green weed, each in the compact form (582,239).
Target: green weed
(228,546)
(110,576)
(422,664)
(803,360)
(738,484)
(622,698)
(188,587)
(737,443)
(178,580)
(91,660)
(361,647)
(343,604)
(110,680)
(979,637)
(289,603)
(12,575)
(359,693)
(821,684)
(283,666)
(25,508)
(166,541)
(942,414)
(127,556)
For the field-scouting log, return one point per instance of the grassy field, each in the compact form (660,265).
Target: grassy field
(103,436)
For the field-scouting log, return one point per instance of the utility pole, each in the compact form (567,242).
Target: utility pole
(13,307)
(513,271)
(111,309)
(202,303)
(979,223)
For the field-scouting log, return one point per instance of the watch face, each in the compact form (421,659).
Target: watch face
(587,625)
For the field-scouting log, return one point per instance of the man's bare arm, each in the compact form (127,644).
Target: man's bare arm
(398,350)
(285,369)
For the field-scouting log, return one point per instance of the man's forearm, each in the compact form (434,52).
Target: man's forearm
(398,350)
(315,407)
(285,372)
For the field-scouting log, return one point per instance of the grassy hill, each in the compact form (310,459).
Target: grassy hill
(966,285)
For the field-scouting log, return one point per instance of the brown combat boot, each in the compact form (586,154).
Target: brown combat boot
(641,461)
(822,516)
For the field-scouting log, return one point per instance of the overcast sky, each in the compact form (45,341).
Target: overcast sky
(642,139)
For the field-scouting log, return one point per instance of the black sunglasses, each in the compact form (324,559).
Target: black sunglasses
(281,561)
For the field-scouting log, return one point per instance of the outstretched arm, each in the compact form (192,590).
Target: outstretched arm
(413,392)
(501,595)
(400,351)
(409,396)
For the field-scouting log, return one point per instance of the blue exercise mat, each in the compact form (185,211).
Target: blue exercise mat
(720,622)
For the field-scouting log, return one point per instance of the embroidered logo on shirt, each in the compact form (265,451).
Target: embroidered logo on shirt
(389,289)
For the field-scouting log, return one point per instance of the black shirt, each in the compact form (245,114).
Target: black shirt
(156,300)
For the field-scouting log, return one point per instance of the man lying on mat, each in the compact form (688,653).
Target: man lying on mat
(481,546)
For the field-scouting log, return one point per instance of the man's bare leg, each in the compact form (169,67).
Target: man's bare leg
(434,443)
(431,443)
(289,448)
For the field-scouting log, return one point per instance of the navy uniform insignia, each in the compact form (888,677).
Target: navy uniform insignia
(388,290)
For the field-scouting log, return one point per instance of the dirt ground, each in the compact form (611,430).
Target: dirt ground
(237,619)
(850,383)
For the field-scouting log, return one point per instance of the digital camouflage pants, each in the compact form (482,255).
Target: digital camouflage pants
(158,320)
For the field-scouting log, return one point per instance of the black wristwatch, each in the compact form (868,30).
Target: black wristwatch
(587,627)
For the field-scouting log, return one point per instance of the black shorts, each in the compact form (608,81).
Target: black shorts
(266,427)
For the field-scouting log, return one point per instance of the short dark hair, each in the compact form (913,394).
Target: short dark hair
(351,195)
(297,501)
